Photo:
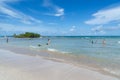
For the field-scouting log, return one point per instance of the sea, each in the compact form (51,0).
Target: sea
(102,52)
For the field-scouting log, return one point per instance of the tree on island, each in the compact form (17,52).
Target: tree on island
(27,35)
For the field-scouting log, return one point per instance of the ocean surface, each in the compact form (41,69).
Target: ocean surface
(103,51)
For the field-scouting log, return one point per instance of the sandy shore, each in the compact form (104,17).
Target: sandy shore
(23,67)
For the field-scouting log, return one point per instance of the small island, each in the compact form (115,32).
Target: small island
(27,35)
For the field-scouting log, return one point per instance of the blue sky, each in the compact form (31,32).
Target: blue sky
(60,17)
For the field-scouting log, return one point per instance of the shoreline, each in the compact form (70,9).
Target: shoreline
(58,57)
(16,61)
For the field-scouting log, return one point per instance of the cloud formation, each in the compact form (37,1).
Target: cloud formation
(2,1)
(72,29)
(12,13)
(105,16)
(105,20)
(58,11)
(102,29)
(110,28)
(11,29)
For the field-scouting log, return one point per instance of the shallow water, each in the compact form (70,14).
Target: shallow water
(101,51)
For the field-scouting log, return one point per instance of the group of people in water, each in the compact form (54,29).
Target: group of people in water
(48,42)
(103,42)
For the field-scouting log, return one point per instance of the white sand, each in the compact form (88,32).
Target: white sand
(22,67)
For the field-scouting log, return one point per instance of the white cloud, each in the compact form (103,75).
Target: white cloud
(8,1)
(72,29)
(58,11)
(97,28)
(105,16)
(7,11)
(103,29)
(113,28)
(12,13)
(107,28)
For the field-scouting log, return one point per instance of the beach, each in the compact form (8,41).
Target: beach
(59,40)
(15,66)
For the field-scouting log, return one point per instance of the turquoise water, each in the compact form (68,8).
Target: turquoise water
(103,51)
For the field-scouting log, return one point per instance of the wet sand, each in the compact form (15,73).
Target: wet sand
(23,67)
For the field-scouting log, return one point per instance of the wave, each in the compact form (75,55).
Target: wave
(33,46)
(55,50)
(48,49)
(114,72)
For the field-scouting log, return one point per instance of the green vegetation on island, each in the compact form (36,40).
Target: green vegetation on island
(27,35)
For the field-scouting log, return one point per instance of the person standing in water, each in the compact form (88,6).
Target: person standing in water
(103,42)
(92,42)
(7,39)
(48,42)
